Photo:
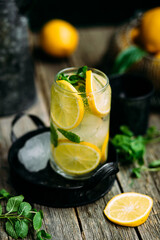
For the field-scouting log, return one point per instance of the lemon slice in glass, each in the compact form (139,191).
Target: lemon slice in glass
(129,209)
(104,148)
(67,107)
(98,94)
(76,158)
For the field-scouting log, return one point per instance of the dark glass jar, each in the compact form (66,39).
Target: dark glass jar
(17,88)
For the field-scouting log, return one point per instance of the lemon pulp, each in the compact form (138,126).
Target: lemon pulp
(67,107)
(129,209)
(76,158)
(98,99)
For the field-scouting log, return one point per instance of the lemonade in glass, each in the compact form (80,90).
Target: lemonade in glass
(79,115)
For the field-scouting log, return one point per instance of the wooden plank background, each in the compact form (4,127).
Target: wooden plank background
(85,222)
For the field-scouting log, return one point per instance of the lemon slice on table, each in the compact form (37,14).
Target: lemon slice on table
(76,158)
(129,209)
(98,99)
(104,148)
(67,107)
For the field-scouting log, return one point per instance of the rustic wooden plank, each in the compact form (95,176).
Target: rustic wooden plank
(153,151)
(45,73)
(124,178)
(96,226)
(61,223)
(150,229)
(59,218)
(146,185)
(87,222)
(5,181)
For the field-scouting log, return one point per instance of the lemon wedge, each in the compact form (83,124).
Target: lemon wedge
(129,209)
(76,158)
(98,98)
(67,107)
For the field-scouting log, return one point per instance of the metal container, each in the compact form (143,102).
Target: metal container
(17,88)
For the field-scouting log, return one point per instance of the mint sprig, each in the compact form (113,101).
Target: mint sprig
(131,149)
(138,170)
(4,194)
(67,134)
(75,79)
(54,135)
(20,217)
(70,135)
(126,58)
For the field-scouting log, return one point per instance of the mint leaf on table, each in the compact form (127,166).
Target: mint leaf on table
(43,235)
(10,229)
(21,228)
(20,217)
(126,58)
(24,208)
(155,164)
(152,132)
(125,130)
(152,135)
(137,172)
(4,194)
(13,203)
(0,209)
(70,136)
(131,149)
(153,167)
(37,221)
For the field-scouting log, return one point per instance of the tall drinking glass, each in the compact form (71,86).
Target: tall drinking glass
(79,115)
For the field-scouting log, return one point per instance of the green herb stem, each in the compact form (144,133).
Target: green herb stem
(150,169)
(4,216)
(132,149)
(19,216)
(153,140)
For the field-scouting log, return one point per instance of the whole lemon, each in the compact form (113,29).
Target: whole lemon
(59,38)
(150,30)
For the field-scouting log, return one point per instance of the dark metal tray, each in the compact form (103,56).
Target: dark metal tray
(48,188)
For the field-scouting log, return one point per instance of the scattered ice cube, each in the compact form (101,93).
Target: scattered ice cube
(35,154)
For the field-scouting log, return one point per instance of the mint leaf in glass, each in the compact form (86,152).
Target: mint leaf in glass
(54,135)
(70,136)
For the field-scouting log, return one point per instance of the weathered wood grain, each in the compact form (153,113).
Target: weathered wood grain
(88,55)
(86,222)
(146,185)
(96,226)
(62,223)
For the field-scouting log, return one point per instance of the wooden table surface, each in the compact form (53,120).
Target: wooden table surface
(85,222)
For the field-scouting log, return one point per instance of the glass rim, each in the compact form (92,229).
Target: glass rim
(71,69)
